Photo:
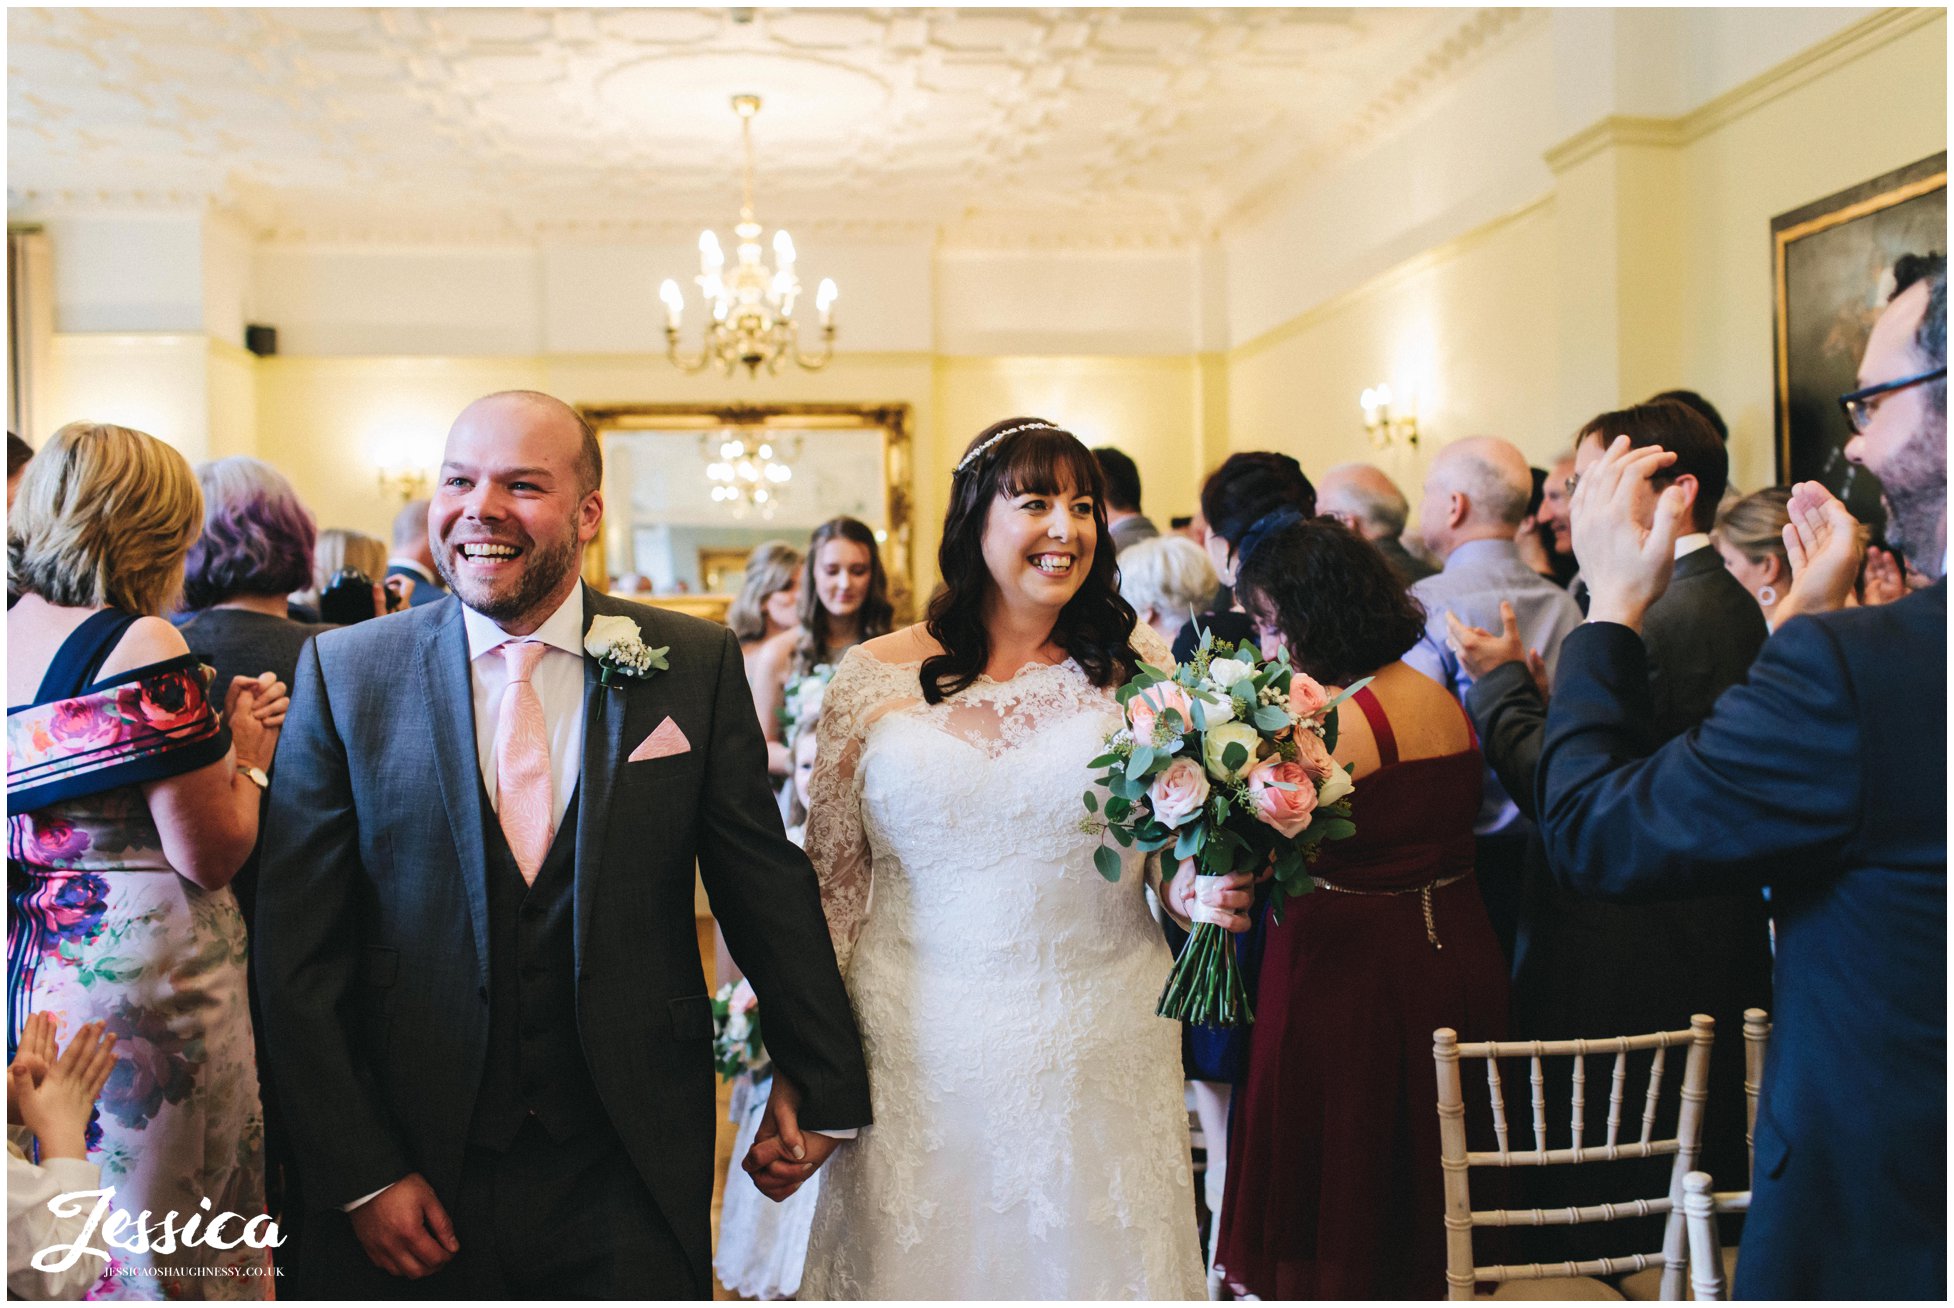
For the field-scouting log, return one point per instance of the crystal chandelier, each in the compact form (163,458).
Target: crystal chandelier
(752,306)
(748,472)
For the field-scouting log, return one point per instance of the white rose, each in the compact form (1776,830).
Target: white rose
(1226,672)
(606,631)
(1334,789)
(1218,713)
(1215,742)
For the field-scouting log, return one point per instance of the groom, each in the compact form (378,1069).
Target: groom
(475,933)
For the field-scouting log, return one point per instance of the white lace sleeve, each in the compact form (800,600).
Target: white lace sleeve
(837,845)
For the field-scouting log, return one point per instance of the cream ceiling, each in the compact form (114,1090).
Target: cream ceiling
(980,126)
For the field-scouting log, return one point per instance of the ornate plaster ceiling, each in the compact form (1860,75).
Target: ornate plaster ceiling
(981,126)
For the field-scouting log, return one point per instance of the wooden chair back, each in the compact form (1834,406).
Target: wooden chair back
(1461,1275)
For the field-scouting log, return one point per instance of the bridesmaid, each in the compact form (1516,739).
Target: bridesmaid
(844,601)
(1334,1185)
(769,603)
(132,804)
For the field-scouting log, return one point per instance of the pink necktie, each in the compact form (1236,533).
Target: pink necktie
(522,761)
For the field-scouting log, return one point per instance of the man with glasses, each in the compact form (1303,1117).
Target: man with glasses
(1823,776)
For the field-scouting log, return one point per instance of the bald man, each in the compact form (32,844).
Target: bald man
(1475,497)
(1364,499)
(413,554)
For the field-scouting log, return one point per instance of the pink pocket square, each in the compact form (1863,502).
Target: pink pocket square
(662,743)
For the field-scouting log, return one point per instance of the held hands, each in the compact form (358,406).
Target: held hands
(1824,545)
(405,1230)
(1480,651)
(783,1156)
(55,1096)
(255,708)
(1624,533)
(1223,901)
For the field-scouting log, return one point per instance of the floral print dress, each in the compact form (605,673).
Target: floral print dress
(99,926)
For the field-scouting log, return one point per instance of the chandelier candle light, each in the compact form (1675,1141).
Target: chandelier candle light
(752,306)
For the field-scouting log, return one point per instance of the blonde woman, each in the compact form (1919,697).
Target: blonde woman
(132,803)
(1167,580)
(769,603)
(1750,537)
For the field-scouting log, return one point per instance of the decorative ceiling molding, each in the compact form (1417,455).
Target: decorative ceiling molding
(1103,128)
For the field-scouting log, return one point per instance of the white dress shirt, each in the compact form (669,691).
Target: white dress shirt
(559,682)
(1696,540)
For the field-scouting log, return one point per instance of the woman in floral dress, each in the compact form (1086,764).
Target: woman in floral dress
(132,803)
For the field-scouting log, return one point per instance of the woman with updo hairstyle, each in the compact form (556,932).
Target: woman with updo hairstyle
(1025,1095)
(844,600)
(132,803)
(1334,1184)
(1750,536)
(1243,491)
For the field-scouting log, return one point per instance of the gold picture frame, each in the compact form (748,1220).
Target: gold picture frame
(1827,258)
(898,464)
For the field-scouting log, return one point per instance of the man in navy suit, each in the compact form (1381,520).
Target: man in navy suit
(413,554)
(1823,776)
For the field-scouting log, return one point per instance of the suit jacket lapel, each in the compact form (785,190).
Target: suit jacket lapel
(603,751)
(451,697)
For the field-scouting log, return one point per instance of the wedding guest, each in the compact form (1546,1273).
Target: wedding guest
(1128,525)
(51,1096)
(412,559)
(844,601)
(768,604)
(1334,1184)
(1700,406)
(256,547)
(1535,537)
(1167,580)
(1552,522)
(1364,499)
(1244,489)
(1824,775)
(339,551)
(1475,496)
(1600,969)
(1749,536)
(18,453)
(132,804)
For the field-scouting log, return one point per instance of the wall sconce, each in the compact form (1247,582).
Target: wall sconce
(1382,428)
(404,482)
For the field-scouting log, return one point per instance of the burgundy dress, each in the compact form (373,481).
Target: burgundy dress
(1334,1185)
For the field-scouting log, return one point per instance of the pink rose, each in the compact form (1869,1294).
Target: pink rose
(1144,708)
(1313,754)
(1287,811)
(1306,695)
(1179,793)
(743,999)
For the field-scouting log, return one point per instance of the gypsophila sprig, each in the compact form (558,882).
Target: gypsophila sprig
(1227,761)
(620,650)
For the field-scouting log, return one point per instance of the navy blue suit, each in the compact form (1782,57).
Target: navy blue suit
(1824,776)
(425,591)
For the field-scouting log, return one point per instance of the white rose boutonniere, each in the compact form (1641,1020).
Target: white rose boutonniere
(620,650)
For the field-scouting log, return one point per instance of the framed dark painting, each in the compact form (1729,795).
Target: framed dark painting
(1831,264)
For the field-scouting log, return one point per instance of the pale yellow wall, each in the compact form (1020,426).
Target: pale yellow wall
(1466,333)
(152,381)
(330,423)
(1846,125)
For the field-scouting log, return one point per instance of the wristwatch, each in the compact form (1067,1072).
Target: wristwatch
(256,775)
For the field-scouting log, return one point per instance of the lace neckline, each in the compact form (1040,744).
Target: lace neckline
(1031,665)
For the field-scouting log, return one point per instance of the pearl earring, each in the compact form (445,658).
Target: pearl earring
(1767,595)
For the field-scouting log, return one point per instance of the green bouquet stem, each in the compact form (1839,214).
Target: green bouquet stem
(1206,987)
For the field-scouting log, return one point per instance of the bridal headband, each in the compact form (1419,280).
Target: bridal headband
(979,452)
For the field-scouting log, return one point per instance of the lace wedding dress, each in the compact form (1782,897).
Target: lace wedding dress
(1030,1136)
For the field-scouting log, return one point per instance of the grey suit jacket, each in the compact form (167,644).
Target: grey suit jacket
(372,930)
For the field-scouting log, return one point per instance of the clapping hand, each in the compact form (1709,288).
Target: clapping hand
(1480,651)
(1883,580)
(53,1095)
(1624,533)
(783,1156)
(1825,547)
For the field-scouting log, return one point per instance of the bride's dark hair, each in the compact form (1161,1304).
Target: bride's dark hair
(1095,627)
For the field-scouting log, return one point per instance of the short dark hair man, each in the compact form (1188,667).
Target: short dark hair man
(1824,776)
(1123,516)
(1704,409)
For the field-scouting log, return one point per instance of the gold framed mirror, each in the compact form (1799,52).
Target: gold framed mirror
(690,489)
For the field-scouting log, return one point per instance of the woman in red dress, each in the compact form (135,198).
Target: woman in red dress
(1334,1184)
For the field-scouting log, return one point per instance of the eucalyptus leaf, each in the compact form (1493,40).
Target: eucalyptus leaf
(1234,756)
(1122,835)
(1141,760)
(1199,715)
(1092,802)
(1271,717)
(1106,859)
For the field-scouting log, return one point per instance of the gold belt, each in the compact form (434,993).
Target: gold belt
(1423,892)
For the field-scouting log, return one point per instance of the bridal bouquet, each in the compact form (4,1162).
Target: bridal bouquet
(1226,761)
(736,1046)
(802,698)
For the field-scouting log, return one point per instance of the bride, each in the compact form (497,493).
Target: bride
(1030,1137)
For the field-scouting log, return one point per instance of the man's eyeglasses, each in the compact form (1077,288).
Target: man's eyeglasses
(1859,405)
